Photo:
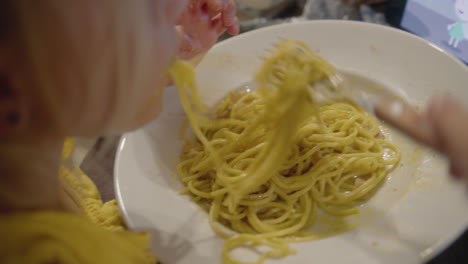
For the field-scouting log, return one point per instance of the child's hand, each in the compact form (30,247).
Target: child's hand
(202,22)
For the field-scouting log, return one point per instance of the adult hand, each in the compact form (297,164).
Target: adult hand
(449,124)
(442,126)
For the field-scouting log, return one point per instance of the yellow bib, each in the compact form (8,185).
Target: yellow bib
(53,237)
(98,236)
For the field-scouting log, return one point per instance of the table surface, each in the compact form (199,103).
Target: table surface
(99,163)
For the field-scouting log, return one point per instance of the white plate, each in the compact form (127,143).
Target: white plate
(418,212)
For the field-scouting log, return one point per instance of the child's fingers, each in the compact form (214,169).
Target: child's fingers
(234,29)
(213,7)
(229,13)
(202,22)
(229,17)
(217,26)
(226,10)
(199,37)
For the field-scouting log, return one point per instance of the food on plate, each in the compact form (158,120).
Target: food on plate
(265,162)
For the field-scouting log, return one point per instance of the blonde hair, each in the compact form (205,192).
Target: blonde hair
(114,57)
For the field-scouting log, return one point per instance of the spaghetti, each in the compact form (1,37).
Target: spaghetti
(271,158)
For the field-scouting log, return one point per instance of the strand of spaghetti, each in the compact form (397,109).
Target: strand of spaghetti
(271,159)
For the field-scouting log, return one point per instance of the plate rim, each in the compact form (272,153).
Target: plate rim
(430,253)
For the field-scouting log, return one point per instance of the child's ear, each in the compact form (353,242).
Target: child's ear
(11,114)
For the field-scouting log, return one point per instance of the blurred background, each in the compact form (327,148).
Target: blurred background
(254,14)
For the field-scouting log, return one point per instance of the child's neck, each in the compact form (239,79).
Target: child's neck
(29,175)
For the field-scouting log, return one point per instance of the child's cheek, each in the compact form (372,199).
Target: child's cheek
(150,110)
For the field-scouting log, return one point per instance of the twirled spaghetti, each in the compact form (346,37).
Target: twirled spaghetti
(271,158)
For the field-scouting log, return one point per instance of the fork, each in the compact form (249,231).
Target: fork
(378,100)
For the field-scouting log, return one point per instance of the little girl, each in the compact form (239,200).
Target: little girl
(83,68)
